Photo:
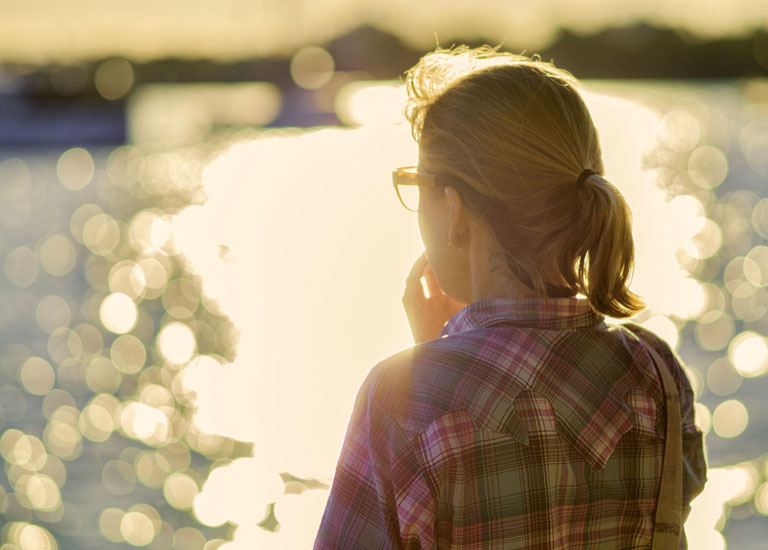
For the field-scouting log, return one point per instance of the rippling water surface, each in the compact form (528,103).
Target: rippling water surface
(186,322)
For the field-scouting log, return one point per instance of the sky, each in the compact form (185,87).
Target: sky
(39,31)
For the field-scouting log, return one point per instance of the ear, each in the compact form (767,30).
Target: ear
(456,218)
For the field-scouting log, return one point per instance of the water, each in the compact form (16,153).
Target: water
(298,235)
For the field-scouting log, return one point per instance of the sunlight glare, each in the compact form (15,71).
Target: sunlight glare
(143,422)
(665,328)
(320,202)
(176,342)
(680,130)
(362,103)
(703,417)
(749,354)
(235,491)
(118,313)
(708,509)
(299,517)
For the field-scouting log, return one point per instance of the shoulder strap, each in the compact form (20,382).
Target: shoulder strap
(669,510)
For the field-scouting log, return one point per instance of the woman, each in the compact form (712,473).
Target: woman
(521,418)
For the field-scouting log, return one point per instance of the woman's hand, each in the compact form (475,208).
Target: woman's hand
(427,315)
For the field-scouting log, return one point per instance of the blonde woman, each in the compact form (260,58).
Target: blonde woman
(521,418)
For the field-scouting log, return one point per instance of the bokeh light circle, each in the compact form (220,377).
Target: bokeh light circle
(176,343)
(128,354)
(312,67)
(101,234)
(118,313)
(722,378)
(761,499)
(137,529)
(21,267)
(730,418)
(37,376)
(180,491)
(707,167)
(52,312)
(57,255)
(109,524)
(114,78)
(680,130)
(748,353)
(75,168)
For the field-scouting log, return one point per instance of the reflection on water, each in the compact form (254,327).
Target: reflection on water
(188,324)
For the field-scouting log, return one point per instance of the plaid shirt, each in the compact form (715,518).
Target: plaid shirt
(530,423)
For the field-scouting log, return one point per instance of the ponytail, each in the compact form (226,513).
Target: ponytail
(606,255)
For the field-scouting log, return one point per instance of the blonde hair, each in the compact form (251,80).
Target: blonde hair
(517,130)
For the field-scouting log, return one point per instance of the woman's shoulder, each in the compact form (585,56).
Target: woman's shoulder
(647,337)
(417,385)
(403,381)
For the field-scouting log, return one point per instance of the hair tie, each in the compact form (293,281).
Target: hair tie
(584,175)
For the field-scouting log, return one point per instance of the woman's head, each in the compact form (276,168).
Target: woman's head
(517,130)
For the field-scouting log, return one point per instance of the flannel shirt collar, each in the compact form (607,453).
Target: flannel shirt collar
(570,313)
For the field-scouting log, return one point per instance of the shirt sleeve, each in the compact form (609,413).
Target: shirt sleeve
(378,498)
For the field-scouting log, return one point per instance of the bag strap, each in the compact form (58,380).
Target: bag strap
(668,525)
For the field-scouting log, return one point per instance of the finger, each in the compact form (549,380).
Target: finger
(413,297)
(414,292)
(435,290)
(417,269)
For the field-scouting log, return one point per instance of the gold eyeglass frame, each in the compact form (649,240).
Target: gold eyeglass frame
(409,175)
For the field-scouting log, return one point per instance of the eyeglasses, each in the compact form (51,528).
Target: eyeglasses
(407,181)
